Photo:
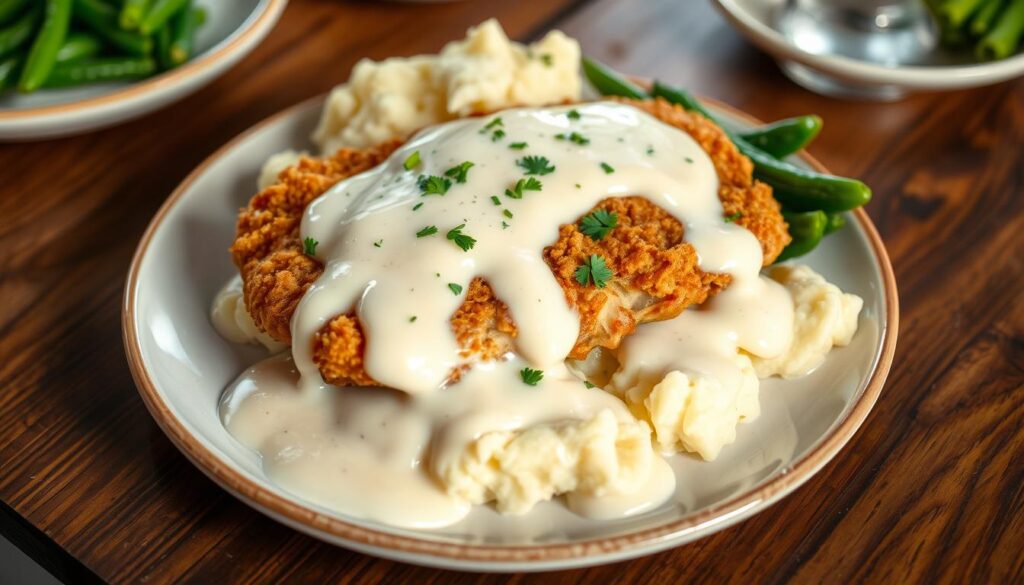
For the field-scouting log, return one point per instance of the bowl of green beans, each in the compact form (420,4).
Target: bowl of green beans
(885,49)
(70,66)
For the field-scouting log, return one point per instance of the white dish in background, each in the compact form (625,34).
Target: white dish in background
(233,29)
(182,366)
(847,77)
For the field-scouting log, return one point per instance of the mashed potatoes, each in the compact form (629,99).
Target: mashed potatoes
(233,322)
(482,73)
(517,469)
(823,317)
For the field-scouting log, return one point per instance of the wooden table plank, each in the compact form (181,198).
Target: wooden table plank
(930,489)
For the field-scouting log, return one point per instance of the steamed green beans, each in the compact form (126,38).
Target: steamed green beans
(18,33)
(100,70)
(102,19)
(783,138)
(806,229)
(78,46)
(43,54)
(9,9)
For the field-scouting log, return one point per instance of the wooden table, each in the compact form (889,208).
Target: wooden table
(932,488)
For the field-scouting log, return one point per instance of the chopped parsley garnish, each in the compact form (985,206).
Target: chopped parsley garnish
(459,171)
(495,200)
(518,145)
(411,162)
(378,243)
(535,165)
(434,185)
(530,376)
(650,151)
(529,184)
(688,159)
(427,231)
(412,319)
(417,206)
(461,240)
(733,217)
(455,288)
(575,137)
(593,270)
(547,59)
(309,246)
(492,124)
(497,135)
(609,169)
(504,225)
(598,224)
(573,114)
(507,213)
(588,384)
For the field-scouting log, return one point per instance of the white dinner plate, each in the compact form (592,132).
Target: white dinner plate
(233,28)
(181,366)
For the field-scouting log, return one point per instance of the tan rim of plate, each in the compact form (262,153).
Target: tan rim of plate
(227,48)
(782,484)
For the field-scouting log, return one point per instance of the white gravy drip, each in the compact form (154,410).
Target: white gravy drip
(373,452)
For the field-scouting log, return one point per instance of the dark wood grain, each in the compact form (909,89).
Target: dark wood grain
(931,489)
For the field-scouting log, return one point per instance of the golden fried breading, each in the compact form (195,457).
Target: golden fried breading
(656,272)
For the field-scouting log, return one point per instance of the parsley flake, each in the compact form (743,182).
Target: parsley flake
(518,145)
(689,160)
(507,213)
(459,171)
(455,288)
(461,240)
(535,165)
(547,59)
(530,376)
(434,185)
(594,270)
(608,169)
(573,114)
(504,225)
(497,135)
(492,124)
(413,161)
(596,225)
(650,151)
(733,217)
(378,243)
(588,384)
(574,137)
(417,206)
(309,246)
(427,231)
(412,319)
(521,185)
(495,200)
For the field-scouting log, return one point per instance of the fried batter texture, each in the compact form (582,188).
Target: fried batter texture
(656,273)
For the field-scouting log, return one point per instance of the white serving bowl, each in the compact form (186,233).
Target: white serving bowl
(233,29)
(846,77)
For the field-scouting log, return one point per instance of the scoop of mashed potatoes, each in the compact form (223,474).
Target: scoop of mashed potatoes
(693,412)
(517,469)
(390,99)
(232,320)
(823,317)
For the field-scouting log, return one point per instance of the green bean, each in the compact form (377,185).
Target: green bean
(986,16)
(43,54)
(78,46)
(183,32)
(132,13)
(783,138)
(102,19)
(18,33)
(806,189)
(9,68)
(159,13)
(607,81)
(9,9)
(806,229)
(100,70)
(162,40)
(836,221)
(1002,40)
(954,13)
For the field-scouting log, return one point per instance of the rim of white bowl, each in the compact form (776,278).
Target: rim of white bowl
(254,27)
(915,77)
